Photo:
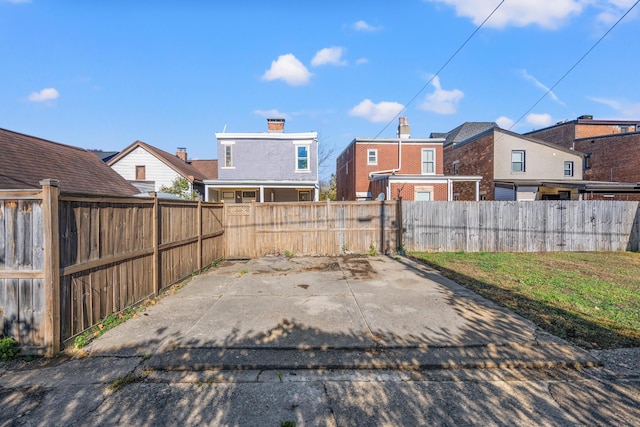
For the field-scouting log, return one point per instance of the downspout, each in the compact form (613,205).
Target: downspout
(392,171)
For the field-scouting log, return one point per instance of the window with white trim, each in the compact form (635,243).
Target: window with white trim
(428,161)
(302,157)
(372,156)
(248,196)
(456,167)
(518,161)
(423,193)
(568,168)
(228,156)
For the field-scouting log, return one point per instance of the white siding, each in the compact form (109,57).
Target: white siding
(541,161)
(155,170)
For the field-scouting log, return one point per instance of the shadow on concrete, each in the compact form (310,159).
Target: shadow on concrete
(245,381)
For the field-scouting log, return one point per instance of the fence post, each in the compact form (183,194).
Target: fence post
(399,244)
(51,247)
(199,235)
(156,244)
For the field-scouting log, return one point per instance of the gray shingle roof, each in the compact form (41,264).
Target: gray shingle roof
(465,131)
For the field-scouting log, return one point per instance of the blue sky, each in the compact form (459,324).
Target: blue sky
(102,74)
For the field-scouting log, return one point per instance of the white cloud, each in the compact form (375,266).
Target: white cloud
(623,109)
(47,94)
(271,113)
(539,120)
(539,85)
(612,10)
(329,55)
(505,122)
(442,101)
(520,13)
(377,113)
(361,61)
(363,26)
(288,69)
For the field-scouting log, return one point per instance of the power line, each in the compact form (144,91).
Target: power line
(574,65)
(441,68)
(437,72)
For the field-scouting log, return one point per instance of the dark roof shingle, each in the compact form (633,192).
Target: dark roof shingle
(208,168)
(26,160)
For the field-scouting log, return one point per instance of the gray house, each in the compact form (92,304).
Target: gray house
(271,166)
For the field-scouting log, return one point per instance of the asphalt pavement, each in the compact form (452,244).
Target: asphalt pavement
(315,341)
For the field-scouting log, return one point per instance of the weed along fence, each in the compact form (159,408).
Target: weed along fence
(68,261)
(310,228)
(541,226)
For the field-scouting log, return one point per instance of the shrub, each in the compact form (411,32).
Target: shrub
(8,349)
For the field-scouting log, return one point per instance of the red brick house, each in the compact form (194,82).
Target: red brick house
(390,169)
(611,147)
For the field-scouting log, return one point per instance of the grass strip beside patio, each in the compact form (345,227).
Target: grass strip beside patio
(591,299)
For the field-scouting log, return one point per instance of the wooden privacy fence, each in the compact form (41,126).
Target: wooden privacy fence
(541,226)
(310,228)
(69,261)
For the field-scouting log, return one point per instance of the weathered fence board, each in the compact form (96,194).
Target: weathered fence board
(106,252)
(543,226)
(310,228)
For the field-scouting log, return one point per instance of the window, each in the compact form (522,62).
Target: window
(423,193)
(302,157)
(228,158)
(228,196)
(372,156)
(424,196)
(456,169)
(140,173)
(517,161)
(428,161)
(248,196)
(587,161)
(304,196)
(568,168)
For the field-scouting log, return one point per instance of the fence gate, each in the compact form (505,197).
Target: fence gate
(240,230)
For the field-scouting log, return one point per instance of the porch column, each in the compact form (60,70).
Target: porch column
(477,190)
(449,190)
(262,194)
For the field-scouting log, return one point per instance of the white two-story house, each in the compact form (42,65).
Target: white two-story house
(271,166)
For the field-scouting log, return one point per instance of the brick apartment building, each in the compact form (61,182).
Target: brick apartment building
(402,167)
(611,147)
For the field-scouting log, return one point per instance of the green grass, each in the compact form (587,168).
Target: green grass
(119,383)
(592,299)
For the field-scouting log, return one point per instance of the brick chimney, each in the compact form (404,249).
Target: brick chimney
(275,125)
(182,154)
(404,131)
